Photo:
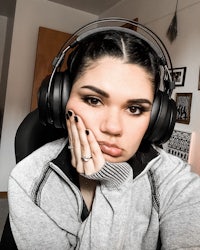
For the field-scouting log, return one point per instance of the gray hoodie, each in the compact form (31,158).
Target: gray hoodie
(46,206)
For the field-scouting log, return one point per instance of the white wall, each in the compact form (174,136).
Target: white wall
(28,17)
(184,51)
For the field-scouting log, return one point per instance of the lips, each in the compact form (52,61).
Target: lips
(110,149)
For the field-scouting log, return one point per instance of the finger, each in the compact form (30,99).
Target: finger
(89,148)
(85,147)
(71,146)
(75,142)
(97,156)
(84,150)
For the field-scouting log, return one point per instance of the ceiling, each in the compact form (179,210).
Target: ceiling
(92,6)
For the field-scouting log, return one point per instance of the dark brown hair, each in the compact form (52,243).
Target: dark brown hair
(116,44)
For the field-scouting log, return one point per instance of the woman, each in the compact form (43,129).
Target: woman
(106,186)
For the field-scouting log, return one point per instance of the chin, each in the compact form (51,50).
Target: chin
(112,159)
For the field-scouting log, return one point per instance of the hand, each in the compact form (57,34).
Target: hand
(83,144)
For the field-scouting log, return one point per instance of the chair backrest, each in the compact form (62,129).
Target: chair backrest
(32,134)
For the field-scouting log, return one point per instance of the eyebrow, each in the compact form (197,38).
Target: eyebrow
(139,101)
(104,94)
(96,90)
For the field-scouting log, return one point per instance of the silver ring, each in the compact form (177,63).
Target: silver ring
(85,158)
(70,147)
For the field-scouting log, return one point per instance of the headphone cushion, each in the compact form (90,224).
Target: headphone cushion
(162,119)
(65,93)
(52,106)
(59,96)
(42,101)
(172,121)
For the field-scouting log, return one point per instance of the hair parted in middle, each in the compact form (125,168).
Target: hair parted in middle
(117,44)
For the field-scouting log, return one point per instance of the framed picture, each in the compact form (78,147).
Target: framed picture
(179,144)
(179,76)
(183,103)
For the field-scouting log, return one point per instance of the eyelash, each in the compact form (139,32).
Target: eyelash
(138,109)
(89,99)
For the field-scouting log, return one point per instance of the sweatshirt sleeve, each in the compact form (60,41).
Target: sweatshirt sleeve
(179,213)
(31,226)
(110,212)
(112,175)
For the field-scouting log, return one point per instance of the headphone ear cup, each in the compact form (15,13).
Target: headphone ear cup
(52,105)
(65,93)
(171,122)
(163,118)
(43,102)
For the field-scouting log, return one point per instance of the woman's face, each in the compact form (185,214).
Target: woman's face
(114,99)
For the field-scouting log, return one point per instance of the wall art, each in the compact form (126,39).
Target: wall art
(183,103)
(179,144)
(178,76)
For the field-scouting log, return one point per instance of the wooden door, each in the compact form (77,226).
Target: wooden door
(49,44)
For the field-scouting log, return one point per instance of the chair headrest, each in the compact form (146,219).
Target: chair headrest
(32,134)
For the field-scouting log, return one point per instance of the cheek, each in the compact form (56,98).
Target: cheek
(74,104)
(139,123)
(135,133)
(82,110)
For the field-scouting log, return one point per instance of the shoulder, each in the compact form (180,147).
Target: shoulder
(171,172)
(165,163)
(174,181)
(169,167)
(35,163)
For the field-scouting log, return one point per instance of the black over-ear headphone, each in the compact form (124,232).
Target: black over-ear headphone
(55,89)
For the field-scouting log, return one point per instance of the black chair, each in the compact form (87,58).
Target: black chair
(30,135)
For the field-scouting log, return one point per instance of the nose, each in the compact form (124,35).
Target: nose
(112,123)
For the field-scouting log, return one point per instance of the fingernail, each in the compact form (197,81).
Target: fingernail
(76,118)
(67,116)
(87,132)
(70,113)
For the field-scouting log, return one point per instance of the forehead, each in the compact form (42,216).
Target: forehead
(115,76)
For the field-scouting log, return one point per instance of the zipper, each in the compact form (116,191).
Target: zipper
(71,184)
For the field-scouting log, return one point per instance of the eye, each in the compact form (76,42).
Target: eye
(137,110)
(93,101)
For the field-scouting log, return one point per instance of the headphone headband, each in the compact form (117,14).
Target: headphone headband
(122,29)
(92,27)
